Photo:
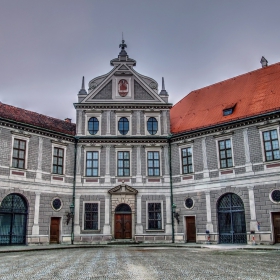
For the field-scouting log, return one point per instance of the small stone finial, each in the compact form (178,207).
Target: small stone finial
(163,91)
(163,86)
(83,83)
(82,90)
(264,62)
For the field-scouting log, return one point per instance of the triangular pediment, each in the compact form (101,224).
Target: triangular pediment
(123,189)
(109,87)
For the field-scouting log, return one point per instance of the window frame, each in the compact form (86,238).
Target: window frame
(181,159)
(147,215)
(160,163)
(63,147)
(123,168)
(218,139)
(93,117)
(98,216)
(155,115)
(88,116)
(91,149)
(270,141)
(129,150)
(127,115)
(92,160)
(21,138)
(265,129)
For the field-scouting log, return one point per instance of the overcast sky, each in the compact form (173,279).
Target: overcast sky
(47,46)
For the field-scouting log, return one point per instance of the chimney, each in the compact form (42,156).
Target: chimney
(263,62)
(67,120)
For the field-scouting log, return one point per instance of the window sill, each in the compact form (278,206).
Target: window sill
(155,230)
(89,231)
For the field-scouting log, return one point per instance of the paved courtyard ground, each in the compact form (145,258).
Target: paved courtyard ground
(140,263)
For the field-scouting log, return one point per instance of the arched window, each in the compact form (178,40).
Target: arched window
(152,126)
(13,220)
(93,125)
(123,126)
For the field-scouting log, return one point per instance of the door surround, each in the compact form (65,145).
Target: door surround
(123,194)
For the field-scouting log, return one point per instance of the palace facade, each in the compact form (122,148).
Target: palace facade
(136,168)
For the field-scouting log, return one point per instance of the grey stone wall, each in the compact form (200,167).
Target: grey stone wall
(211,151)
(5,146)
(140,93)
(33,152)
(103,123)
(199,211)
(197,155)
(255,145)
(46,212)
(151,198)
(47,155)
(238,148)
(264,206)
(105,92)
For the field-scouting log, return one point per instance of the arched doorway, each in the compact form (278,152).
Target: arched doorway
(123,221)
(231,217)
(13,220)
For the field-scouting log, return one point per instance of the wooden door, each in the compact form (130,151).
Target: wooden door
(276,226)
(123,226)
(190,229)
(54,230)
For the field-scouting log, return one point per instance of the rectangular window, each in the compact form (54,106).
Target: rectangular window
(225,153)
(187,166)
(19,150)
(58,157)
(91,216)
(271,145)
(92,164)
(123,164)
(154,216)
(153,164)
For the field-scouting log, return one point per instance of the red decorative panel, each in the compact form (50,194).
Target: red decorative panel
(188,178)
(58,178)
(18,173)
(91,180)
(273,165)
(226,172)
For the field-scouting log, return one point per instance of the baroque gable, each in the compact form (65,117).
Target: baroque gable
(123,189)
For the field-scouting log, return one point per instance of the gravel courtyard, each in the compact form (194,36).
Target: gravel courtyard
(140,263)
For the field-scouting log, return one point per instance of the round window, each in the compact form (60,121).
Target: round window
(56,204)
(93,125)
(275,196)
(123,126)
(152,125)
(189,203)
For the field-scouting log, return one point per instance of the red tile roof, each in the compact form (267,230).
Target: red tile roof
(252,94)
(27,117)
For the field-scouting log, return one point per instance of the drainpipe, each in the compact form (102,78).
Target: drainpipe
(171,186)
(74,189)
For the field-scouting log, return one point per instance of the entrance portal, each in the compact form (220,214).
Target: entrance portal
(13,218)
(123,222)
(190,229)
(231,216)
(276,227)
